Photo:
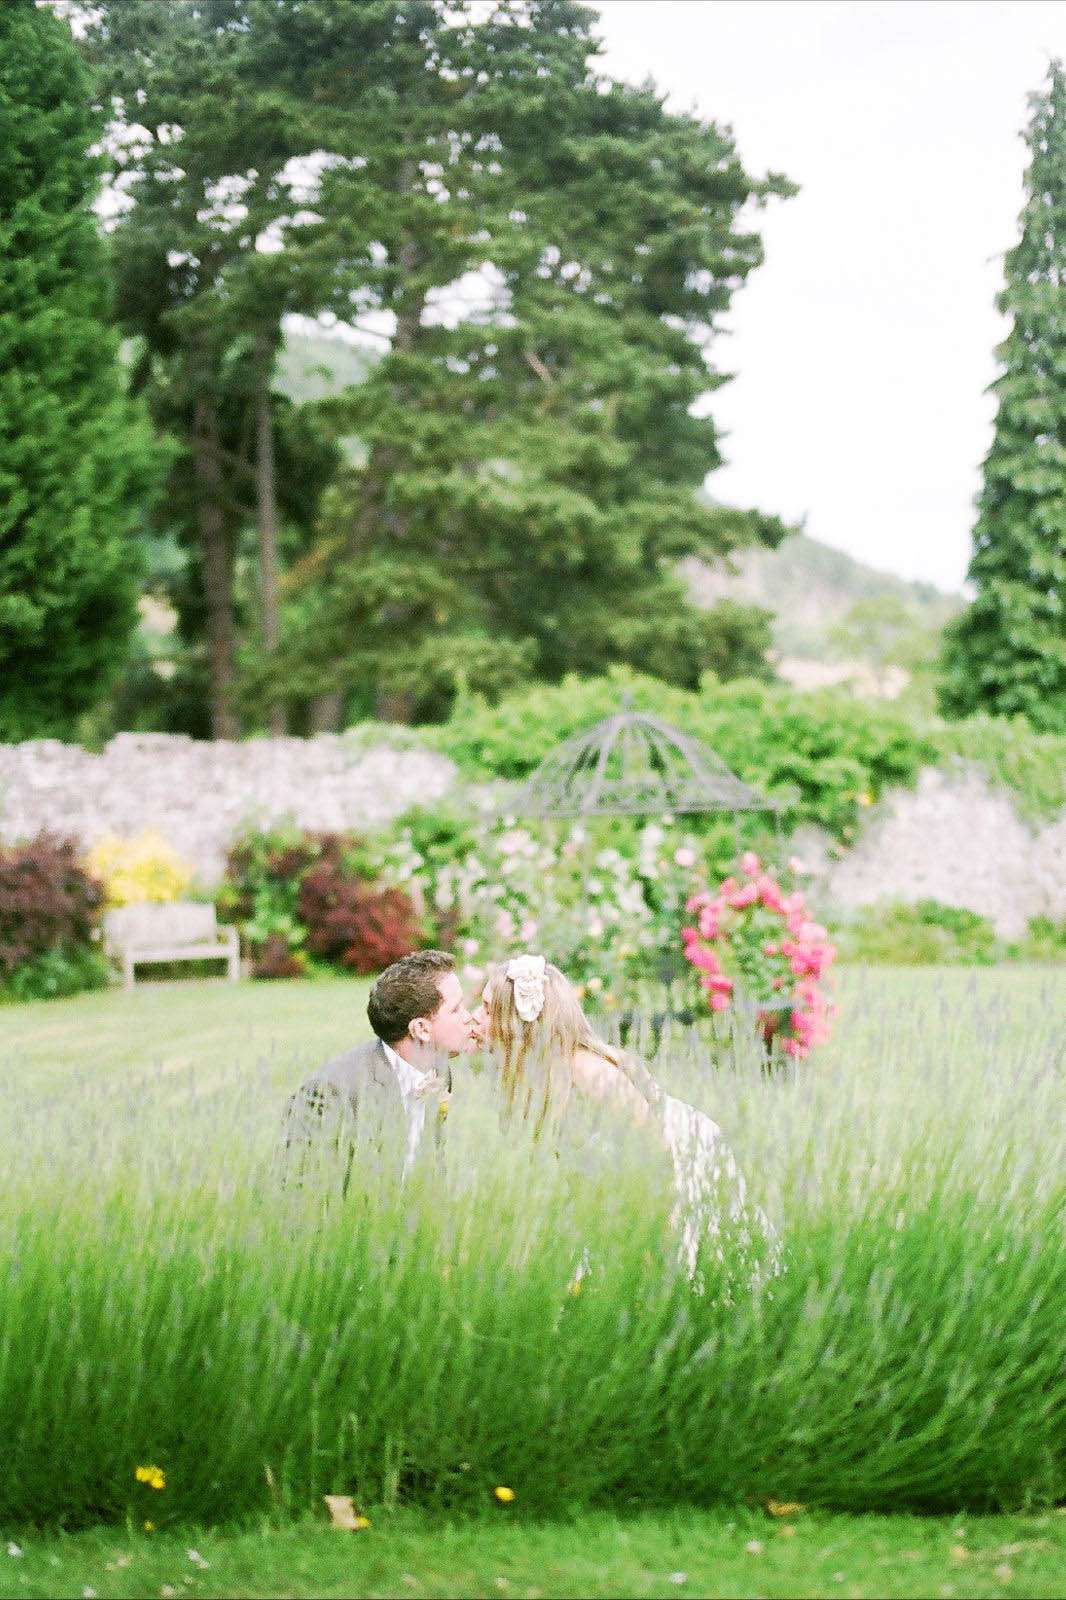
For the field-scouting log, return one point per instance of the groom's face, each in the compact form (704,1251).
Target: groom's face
(450,1029)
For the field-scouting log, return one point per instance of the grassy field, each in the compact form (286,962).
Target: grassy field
(165,1301)
(673,1553)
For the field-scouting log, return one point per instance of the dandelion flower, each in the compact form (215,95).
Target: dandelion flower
(154,1477)
(503,1494)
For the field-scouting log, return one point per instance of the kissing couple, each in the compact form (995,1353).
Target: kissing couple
(390,1096)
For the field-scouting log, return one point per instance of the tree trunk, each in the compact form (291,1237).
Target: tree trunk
(371,522)
(324,714)
(217,568)
(393,705)
(267,518)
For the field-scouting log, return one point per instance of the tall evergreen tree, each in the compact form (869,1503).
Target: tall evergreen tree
(530,478)
(1006,653)
(78,462)
(203,132)
(526,480)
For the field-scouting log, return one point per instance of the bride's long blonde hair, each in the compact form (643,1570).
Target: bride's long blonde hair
(536,1059)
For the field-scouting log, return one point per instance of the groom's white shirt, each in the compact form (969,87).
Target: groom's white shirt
(410,1080)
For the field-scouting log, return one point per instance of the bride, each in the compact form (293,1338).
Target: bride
(552,1066)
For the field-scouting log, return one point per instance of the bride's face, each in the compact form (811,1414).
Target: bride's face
(481,1016)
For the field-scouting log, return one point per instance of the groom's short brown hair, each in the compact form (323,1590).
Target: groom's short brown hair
(406,990)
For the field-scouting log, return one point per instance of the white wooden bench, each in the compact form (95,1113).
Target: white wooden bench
(183,930)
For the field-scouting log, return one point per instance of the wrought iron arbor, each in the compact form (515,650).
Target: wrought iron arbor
(633,764)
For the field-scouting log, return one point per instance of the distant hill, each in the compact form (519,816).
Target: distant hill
(835,619)
(811,588)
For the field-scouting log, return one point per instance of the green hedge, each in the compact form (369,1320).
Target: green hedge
(822,755)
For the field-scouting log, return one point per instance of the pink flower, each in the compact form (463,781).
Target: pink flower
(744,897)
(684,856)
(720,983)
(702,959)
(719,1002)
(770,893)
(710,921)
(750,863)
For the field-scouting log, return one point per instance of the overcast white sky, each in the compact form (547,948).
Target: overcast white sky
(864,344)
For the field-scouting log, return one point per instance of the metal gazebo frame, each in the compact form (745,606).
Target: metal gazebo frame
(633,764)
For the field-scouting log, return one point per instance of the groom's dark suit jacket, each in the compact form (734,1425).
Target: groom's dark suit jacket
(351,1111)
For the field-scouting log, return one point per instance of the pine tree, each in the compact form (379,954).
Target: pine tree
(78,462)
(525,482)
(530,477)
(1006,654)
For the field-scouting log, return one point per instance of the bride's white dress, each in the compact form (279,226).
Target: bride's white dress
(712,1198)
(712,1216)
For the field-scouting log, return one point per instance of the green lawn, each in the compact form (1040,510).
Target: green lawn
(188,1030)
(915,1163)
(716,1553)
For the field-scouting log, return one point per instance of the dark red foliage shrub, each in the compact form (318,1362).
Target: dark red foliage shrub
(47,901)
(276,960)
(357,923)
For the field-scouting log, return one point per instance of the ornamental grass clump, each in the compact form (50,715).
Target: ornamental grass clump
(170,1303)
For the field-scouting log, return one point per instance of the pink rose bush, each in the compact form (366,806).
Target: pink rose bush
(756,936)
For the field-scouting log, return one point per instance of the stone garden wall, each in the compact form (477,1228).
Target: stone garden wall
(198,793)
(954,838)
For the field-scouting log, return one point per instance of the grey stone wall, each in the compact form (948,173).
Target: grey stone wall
(957,839)
(198,794)
(954,838)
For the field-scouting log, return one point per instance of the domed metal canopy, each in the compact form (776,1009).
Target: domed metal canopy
(632,764)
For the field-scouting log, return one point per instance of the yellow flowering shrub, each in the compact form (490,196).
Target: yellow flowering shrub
(138,869)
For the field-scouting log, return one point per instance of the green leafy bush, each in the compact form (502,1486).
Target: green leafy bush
(297,895)
(822,757)
(56,973)
(927,933)
(1044,940)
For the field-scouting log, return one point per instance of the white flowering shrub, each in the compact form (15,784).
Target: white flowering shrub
(602,899)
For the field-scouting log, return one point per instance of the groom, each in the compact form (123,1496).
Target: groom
(381,1095)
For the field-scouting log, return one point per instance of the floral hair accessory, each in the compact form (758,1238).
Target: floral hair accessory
(527,975)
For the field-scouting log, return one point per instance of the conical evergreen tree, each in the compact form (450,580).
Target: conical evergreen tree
(1007,652)
(77,461)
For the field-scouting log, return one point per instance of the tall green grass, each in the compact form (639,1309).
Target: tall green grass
(166,1300)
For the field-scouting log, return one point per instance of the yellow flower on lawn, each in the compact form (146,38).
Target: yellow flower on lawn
(154,1477)
(149,1527)
(503,1494)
